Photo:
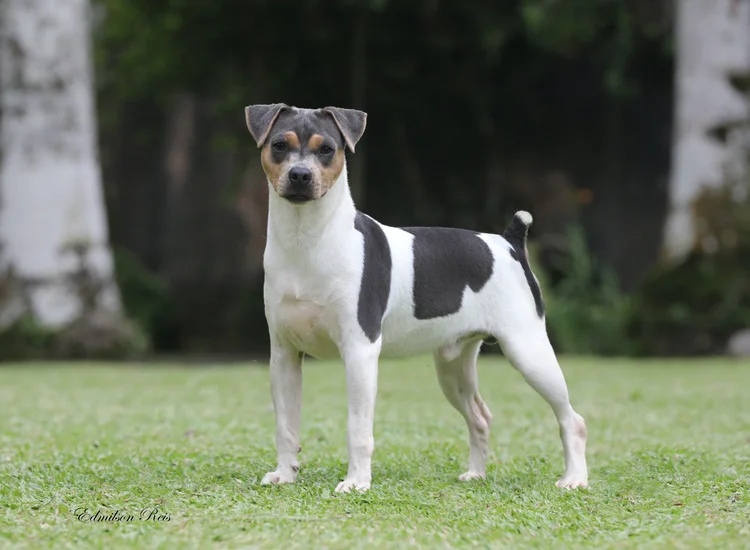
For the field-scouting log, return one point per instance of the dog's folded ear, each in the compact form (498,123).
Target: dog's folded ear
(351,123)
(260,119)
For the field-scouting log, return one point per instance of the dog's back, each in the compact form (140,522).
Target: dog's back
(452,284)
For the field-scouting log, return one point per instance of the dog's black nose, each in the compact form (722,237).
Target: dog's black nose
(299,176)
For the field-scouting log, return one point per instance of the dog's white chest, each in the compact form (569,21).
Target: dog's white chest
(305,318)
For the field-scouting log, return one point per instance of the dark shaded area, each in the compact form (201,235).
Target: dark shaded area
(476,109)
(694,308)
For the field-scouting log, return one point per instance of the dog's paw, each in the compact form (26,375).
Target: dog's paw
(348,485)
(573,481)
(468,476)
(277,477)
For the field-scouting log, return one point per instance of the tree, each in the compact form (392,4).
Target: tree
(53,221)
(711,112)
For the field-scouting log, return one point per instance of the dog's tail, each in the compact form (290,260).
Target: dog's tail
(518,229)
(516,234)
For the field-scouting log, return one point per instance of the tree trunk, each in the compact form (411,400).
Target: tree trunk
(52,215)
(711,115)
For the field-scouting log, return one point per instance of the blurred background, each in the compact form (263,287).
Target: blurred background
(133,205)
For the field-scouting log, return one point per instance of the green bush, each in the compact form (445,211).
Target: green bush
(694,307)
(99,334)
(25,339)
(145,296)
(587,313)
(95,333)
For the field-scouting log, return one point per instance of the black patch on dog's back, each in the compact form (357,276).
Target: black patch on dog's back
(446,261)
(376,276)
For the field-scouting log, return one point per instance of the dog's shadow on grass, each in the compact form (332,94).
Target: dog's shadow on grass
(389,478)
(432,477)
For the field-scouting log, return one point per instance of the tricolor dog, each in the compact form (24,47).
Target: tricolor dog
(340,284)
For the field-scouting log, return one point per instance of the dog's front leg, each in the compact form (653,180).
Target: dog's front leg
(286,388)
(361,363)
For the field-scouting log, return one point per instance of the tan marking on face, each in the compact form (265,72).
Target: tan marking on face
(272,170)
(292,139)
(324,177)
(316,140)
(329,174)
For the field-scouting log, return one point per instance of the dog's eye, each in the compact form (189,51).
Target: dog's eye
(279,146)
(325,150)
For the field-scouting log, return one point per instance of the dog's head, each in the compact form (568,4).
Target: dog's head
(303,149)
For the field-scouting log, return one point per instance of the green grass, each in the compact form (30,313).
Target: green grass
(669,458)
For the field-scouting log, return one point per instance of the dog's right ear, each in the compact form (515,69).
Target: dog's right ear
(260,119)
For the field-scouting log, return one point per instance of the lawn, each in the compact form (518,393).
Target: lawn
(669,458)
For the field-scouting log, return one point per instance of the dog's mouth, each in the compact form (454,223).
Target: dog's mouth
(297,198)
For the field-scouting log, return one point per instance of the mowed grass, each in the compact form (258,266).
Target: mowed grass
(669,458)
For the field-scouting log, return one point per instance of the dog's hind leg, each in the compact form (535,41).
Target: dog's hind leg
(456,367)
(529,350)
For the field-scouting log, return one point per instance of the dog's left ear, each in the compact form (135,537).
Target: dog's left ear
(260,119)
(351,123)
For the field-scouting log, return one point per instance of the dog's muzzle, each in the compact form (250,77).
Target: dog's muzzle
(300,188)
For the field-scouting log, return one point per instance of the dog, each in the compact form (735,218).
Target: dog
(340,284)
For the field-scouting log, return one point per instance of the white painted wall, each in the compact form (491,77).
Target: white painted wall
(712,39)
(50,182)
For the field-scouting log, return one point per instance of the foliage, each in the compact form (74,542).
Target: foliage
(95,333)
(25,338)
(145,296)
(100,334)
(723,217)
(695,307)
(665,470)
(570,29)
(143,43)
(497,74)
(587,313)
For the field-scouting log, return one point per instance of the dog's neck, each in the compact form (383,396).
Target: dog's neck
(302,227)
